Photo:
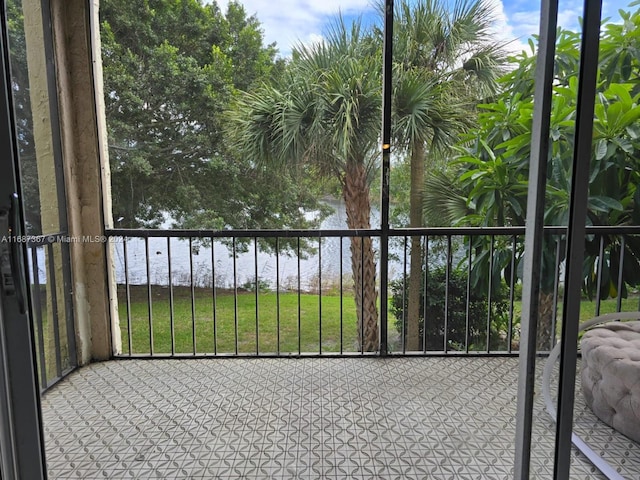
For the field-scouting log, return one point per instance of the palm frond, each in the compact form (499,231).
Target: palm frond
(444,204)
(428,111)
(326,109)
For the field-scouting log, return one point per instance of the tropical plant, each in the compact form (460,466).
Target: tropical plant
(321,119)
(459,318)
(491,172)
(445,61)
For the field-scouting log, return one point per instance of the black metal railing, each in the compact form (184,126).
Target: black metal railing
(53,321)
(291,292)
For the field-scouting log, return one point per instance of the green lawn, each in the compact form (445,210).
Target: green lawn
(270,331)
(312,332)
(46,334)
(588,308)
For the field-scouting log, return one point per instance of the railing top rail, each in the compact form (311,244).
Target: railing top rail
(614,229)
(293,233)
(455,231)
(370,232)
(514,230)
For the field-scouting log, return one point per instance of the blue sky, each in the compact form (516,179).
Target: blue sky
(290,21)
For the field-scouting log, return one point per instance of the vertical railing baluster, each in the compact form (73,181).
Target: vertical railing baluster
(172,325)
(425,295)
(69,313)
(620,272)
(127,288)
(278,295)
(512,292)
(54,307)
(193,296)
(489,297)
(68,306)
(362,295)
(149,296)
(467,313)
(320,295)
(446,295)
(599,275)
(445,329)
(235,293)
(257,283)
(404,298)
(556,293)
(213,297)
(299,306)
(38,314)
(341,304)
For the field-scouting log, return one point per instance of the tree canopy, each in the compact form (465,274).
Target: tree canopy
(171,68)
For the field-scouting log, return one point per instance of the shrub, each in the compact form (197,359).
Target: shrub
(250,285)
(457,311)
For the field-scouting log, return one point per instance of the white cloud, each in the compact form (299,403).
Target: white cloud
(526,22)
(313,39)
(288,22)
(504,30)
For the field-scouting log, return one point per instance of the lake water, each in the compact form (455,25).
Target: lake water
(287,269)
(220,270)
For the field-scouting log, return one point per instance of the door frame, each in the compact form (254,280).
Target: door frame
(21,434)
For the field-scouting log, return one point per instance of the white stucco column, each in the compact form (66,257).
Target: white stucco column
(84,141)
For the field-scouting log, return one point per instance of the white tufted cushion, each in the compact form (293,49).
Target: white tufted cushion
(611,375)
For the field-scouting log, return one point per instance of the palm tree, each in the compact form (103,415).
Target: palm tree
(445,61)
(324,116)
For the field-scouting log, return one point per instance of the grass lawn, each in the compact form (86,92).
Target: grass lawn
(262,334)
(44,333)
(269,332)
(588,308)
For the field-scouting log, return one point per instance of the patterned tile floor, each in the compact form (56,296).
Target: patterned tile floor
(334,418)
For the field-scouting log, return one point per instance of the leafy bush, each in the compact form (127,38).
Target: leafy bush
(457,312)
(250,285)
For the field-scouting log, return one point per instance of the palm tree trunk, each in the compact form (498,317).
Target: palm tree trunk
(545,321)
(415,220)
(363,263)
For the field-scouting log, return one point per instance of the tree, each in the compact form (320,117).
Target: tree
(488,185)
(445,61)
(323,116)
(171,69)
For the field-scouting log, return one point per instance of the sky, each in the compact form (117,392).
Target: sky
(288,22)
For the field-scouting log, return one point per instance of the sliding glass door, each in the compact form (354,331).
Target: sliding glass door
(21,442)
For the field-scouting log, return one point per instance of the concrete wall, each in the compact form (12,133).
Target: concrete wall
(87,174)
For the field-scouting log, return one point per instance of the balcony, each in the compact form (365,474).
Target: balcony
(266,388)
(150,366)
(386,418)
